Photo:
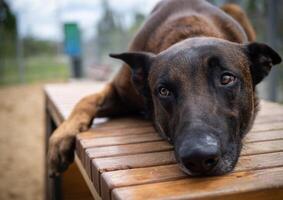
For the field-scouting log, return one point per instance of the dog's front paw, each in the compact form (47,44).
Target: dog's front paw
(61,149)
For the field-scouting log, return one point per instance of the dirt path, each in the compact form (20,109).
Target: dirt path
(21,142)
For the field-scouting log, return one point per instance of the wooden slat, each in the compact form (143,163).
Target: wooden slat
(269,119)
(89,136)
(269,109)
(263,136)
(122,123)
(267,127)
(111,151)
(100,165)
(262,147)
(254,156)
(117,140)
(95,133)
(107,141)
(223,187)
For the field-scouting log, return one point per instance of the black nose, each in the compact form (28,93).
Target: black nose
(200,155)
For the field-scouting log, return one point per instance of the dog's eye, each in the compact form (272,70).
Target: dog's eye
(164,92)
(227,79)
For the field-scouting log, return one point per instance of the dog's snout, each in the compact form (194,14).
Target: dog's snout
(199,155)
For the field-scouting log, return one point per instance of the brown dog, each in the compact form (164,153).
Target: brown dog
(191,69)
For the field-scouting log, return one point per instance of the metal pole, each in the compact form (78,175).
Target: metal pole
(20,61)
(76,66)
(271,37)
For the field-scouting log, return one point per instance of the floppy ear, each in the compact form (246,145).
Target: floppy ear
(262,58)
(139,63)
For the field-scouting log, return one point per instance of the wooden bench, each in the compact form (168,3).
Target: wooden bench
(125,159)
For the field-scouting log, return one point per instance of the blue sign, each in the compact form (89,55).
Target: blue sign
(72,41)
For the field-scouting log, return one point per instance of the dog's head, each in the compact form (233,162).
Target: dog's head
(203,98)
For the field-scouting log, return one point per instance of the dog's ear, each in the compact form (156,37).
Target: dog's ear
(262,58)
(139,63)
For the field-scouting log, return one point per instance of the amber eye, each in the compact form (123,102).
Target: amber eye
(164,92)
(227,79)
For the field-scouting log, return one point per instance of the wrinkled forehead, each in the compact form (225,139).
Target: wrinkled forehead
(200,54)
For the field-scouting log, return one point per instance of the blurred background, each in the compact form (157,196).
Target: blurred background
(69,40)
(55,41)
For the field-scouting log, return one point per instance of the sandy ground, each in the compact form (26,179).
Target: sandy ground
(21,142)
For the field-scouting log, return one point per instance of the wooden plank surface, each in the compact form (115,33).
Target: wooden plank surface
(136,176)
(125,159)
(223,187)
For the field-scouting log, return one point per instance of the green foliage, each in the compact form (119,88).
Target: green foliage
(8,30)
(35,47)
(7,18)
(37,68)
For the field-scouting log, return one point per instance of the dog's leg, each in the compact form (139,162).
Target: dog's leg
(238,14)
(62,141)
